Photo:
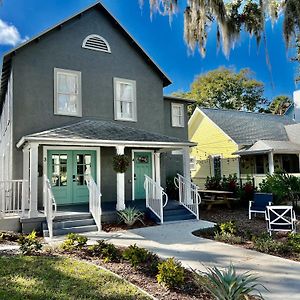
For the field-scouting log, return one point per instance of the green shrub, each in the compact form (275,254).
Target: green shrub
(213,183)
(170,273)
(266,244)
(131,215)
(228,285)
(227,227)
(230,183)
(229,238)
(107,251)
(74,241)
(294,241)
(136,255)
(29,244)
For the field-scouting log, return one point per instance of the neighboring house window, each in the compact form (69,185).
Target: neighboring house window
(217,165)
(97,43)
(125,99)
(260,164)
(67,92)
(177,115)
(193,162)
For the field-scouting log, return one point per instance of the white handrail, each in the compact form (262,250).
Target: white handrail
(155,196)
(13,197)
(50,206)
(189,195)
(94,201)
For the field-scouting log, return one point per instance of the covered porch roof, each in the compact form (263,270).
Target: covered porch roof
(267,146)
(103,133)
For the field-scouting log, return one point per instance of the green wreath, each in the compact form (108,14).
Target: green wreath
(120,163)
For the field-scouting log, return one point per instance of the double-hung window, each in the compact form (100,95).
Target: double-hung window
(177,115)
(125,99)
(67,92)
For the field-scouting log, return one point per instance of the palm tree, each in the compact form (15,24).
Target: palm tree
(279,105)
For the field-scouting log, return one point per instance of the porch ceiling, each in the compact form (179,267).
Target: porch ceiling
(103,133)
(265,146)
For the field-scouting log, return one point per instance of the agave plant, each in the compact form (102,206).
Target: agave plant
(130,215)
(228,285)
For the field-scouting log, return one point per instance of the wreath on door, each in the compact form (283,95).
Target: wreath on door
(120,163)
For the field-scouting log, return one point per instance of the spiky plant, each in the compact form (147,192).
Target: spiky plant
(228,285)
(130,215)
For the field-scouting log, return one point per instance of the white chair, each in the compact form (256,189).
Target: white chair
(280,218)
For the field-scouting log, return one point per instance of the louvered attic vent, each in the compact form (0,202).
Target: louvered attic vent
(97,43)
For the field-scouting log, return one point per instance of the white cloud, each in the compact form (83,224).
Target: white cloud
(9,35)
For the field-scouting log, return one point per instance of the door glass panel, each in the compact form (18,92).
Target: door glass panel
(59,170)
(83,168)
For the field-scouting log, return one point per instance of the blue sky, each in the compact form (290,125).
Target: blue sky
(20,19)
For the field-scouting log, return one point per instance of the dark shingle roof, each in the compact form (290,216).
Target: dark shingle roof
(245,128)
(104,131)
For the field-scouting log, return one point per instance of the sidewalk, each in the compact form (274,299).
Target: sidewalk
(280,276)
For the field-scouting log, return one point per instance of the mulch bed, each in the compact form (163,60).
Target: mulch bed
(113,227)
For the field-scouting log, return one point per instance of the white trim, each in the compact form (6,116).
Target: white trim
(117,80)
(120,183)
(132,171)
(95,49)
(79,102)
(181,105)
(33,182)
(104,143)
(215,124)
(70,148)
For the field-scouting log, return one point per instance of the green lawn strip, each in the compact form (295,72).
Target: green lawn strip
(26,277)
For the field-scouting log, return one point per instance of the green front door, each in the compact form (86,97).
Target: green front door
(142,167)
(67,171)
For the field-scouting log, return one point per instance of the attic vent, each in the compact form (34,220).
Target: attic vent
(97,43)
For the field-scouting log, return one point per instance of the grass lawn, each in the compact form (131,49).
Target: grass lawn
(26,277)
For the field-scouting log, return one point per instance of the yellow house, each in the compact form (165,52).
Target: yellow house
(241,143)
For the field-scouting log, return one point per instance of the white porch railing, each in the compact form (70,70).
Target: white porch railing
(94,201)
(50,206)
(13,197)
(189,195)
(155,196)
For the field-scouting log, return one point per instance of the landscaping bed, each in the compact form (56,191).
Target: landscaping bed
(113,227)
(234,227)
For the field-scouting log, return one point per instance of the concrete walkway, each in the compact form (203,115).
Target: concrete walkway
(280,276)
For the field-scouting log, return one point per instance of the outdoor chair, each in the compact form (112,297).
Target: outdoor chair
(259,203)
(281,218)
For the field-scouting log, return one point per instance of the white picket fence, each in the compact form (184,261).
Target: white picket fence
(156,198)
(189,195)
(13,197)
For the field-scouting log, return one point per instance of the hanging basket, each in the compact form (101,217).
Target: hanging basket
(120,163)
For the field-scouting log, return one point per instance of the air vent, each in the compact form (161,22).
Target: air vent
(97,43)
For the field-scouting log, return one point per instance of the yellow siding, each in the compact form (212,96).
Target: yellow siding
(211,140)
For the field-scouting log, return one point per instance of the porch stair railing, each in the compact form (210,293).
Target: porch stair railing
(156,198)
(189,195)
(94,201)
(13,197)
(50,206)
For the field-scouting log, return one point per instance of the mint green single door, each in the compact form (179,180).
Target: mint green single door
(67,171)
(142,167)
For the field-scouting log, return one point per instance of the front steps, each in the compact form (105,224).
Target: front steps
(176,212)
(75,223)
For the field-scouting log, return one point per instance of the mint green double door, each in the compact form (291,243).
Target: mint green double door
(67,171)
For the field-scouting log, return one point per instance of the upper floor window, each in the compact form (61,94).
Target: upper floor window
(125,99)
(177,115)
(97,43)
(67,92)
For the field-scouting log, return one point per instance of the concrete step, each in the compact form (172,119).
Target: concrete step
(73,216)
(64,231)
(179,218)
(176,212)
(73,223)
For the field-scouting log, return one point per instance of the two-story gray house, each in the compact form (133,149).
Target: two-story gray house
(71,99)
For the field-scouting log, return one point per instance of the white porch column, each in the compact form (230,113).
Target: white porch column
(157,167)
(271,163)
(187,174)
(26,176)
(33,182)
(120,183)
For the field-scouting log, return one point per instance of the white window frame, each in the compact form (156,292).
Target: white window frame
(79,97)
(213,163)
(134,109)
(181,106)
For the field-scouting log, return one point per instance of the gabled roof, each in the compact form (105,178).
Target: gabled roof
(175,98)
(246,128)
(6,65)
(105,132)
